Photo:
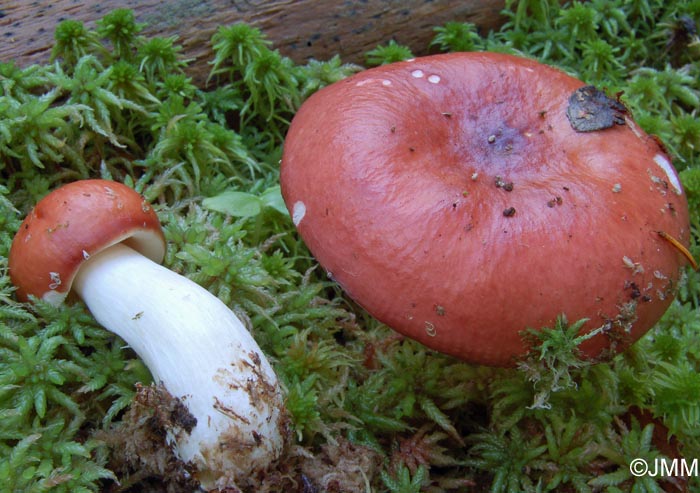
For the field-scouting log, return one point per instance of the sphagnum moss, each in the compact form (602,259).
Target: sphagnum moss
(119,106)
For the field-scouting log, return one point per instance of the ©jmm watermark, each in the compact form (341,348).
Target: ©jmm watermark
(660,467)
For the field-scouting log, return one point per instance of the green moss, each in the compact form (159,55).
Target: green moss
(388,53)
(117,105)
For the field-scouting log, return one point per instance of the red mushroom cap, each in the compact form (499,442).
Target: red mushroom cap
(452,197)
(72,223)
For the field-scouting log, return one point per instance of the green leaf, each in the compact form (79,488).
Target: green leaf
(272,197)
(244,204)
(40,402)
(234,203)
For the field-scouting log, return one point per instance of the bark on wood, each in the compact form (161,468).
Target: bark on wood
(300,29)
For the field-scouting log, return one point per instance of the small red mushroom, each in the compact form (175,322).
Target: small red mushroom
(462,198)
(104,241)
(73,223)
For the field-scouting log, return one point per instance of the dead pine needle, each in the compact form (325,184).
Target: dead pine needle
(679,246)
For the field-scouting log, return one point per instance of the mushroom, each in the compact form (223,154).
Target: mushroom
(103,240)
(462,198)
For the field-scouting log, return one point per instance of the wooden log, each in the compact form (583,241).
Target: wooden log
(300,29)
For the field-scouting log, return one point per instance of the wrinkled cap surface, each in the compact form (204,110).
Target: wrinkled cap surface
(453,199)
(73,223)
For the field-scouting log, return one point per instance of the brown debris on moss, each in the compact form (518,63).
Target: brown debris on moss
(140,453)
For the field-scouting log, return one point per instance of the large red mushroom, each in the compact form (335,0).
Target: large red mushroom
(462,198)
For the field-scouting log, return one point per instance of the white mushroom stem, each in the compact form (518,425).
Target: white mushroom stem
(199,350)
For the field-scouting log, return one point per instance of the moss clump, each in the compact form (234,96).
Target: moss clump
(371,410)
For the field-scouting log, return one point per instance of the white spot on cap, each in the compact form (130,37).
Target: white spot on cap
(384,82)
(434,78)
(298,212)
(418,73)
(55,280)
(666,165)
(635,267)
